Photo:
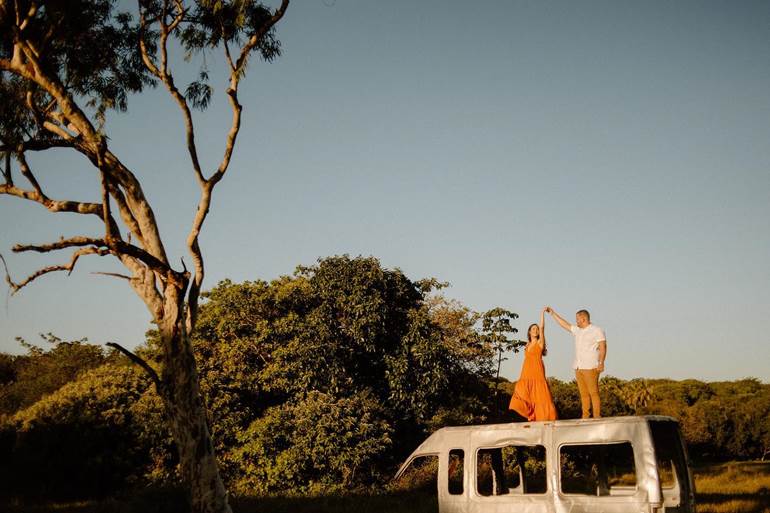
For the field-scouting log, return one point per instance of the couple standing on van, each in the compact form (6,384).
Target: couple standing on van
(532,397)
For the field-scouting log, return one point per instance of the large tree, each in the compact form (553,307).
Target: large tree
(63,65)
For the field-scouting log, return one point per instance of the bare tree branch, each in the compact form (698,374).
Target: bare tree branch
(229,57)
(148,62)
(52,205)
(232,92)
(110,232)
(254,40)
(92,146)
(30,14)
(114,275)
(125,214)
(116,246)
(204,203)
(37,145)
(167,79)
(7,274)
(140,362)
(69,267)
(60,244)
(7,168)
(27,173)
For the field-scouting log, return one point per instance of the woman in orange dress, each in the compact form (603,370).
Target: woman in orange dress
(531,397)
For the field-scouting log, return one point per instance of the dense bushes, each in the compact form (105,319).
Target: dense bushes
(24,379)
(326,348)
(315,383)
(92,436)
(317,444)
(309,380)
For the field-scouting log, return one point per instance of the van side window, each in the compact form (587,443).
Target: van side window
(598,469)
(420,476)
(513,469)
(456,464)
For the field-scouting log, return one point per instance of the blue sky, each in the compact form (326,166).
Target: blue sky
(607,155)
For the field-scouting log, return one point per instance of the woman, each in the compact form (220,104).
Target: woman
(532,398)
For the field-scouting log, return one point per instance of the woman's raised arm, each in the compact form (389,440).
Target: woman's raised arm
(542,328)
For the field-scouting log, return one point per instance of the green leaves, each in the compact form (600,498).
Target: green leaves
(210,24)
(344,331)
(496,326)
(198,93)
(315,444)
(90,48)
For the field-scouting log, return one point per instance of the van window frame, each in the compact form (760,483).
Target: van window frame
(462,481)
(416,457)
(679,464)
(603,497)
(508,495)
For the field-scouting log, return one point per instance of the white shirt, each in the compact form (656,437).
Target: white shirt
(587,346)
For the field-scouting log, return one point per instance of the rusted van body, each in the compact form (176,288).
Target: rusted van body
(609,465)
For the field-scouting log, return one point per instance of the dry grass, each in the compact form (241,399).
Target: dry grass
(738,487)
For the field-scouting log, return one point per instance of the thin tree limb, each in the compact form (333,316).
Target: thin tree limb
(52,205)
(204,203)
(91,146)
(253,40)
(69,267)
(140,362)
(149,64)
(27,173)
(117,247)
(168,80)
(114,275)
(60,244)
(7,168)
(37,145)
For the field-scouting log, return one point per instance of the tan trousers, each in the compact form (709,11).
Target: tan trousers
(588,386)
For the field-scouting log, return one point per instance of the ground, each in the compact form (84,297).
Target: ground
(736,487)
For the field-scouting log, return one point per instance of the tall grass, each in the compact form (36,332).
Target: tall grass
(738,487)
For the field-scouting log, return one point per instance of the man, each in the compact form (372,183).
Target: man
(590,351)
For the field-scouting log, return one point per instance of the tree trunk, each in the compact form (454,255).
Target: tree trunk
(187,415)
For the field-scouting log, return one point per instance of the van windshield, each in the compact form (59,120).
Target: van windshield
(672,465)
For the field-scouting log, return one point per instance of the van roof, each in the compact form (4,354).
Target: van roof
(439,439)
(558,423)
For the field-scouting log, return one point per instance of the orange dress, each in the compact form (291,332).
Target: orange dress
(531,396)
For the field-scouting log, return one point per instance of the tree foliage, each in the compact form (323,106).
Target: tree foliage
(346,329)
(405,361)
(96,434)
(24,379)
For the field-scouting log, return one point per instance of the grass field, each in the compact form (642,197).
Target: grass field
(733,488)
(738,487)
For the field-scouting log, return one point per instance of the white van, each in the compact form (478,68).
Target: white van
(608,465)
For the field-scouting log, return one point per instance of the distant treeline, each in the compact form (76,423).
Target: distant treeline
(318,382)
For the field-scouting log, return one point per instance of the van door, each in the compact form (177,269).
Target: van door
(676,482)
(510,471)
(599,469)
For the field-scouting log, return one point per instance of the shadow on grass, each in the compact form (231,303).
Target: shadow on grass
(413,503)
(150,500)
(174,501)
(745,468)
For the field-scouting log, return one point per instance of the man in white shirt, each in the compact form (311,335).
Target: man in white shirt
(590,351)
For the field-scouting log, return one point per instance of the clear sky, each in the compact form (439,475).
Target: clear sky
(608,155)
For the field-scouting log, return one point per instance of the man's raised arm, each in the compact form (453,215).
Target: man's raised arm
(558,318)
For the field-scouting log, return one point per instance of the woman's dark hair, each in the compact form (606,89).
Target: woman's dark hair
(529,337)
